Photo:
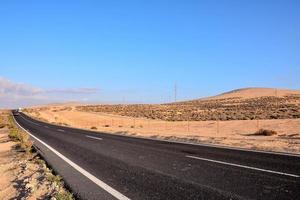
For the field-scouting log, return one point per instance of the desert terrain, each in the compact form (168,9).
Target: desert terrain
(233,118)
(24,175)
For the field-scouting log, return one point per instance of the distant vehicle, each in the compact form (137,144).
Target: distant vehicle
(17,111)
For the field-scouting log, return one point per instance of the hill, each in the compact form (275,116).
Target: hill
(194,121)
(241,104)
(246,93)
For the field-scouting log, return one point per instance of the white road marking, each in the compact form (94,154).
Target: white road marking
(209,145)
(94,137)
(29,121)
(61,130)
(94,179)
(244,166)
(46,126)
(218,146)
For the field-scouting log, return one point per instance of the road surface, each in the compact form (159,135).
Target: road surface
(105,166)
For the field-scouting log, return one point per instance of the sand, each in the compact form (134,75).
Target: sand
(232,133)
(247,93)
(23,175)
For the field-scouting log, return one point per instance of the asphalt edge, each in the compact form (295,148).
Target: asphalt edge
(181,142)
(85,173)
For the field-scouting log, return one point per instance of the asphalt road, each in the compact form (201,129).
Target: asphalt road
(105,166)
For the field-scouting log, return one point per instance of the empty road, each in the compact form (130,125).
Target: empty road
(105,166)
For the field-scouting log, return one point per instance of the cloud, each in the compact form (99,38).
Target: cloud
(14,94)
(74,91)
(8,87)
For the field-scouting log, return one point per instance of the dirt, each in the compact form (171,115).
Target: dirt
(23,175)
(229,106)
(231,119)
(239,133)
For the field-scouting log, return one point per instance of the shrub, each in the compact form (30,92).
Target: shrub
(19,136)
(63,196)
(106,125)
(265,132)
(2,126)
(94,128)
(25,143)
(56,179)
(14,135)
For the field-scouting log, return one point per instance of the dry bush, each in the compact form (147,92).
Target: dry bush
(20,136)
(2,126)
(287,107)
(265,132)
(94,128)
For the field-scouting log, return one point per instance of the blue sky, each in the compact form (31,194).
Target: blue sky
(137,50)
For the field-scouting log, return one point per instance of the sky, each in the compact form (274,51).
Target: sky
(135,51)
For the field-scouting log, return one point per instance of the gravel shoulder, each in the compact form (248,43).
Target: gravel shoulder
(24,175)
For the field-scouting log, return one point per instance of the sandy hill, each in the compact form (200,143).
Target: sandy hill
(241,104)
(247,93)
(236,109)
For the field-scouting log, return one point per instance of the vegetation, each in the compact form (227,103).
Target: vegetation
(287,107)
(55,180)
(265,132)
(63,196)
(19,136)
(25,144)
(2,124)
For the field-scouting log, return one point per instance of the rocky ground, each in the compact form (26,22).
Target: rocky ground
(24,175)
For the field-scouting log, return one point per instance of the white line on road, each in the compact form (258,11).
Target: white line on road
(94,179)
(46,126)
(29,121)
(218,146)
(61,130)
(93,137)
(244,166)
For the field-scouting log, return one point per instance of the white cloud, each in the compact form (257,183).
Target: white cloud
(14,95)
(9,87)
(74,91)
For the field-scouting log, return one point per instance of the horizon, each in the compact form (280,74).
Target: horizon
(136,52)
(66,102)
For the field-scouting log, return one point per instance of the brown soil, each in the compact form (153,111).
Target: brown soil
(231,119)
(245,104)
(23,175)
(237,133)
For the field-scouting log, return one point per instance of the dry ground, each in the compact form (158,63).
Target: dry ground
(23,174)
(235,105)
(234,133)
(230,119)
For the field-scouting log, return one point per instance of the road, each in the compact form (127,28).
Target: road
(105,166)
